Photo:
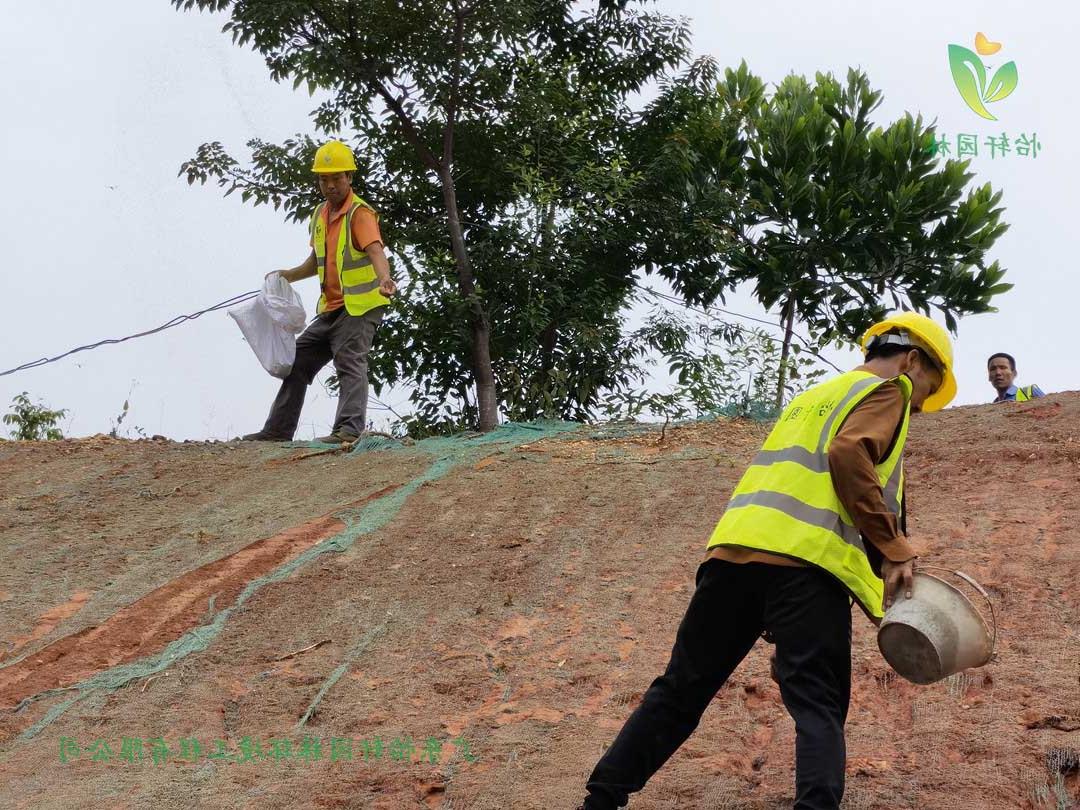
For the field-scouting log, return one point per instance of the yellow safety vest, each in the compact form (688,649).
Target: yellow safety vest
(1024,394)
(785,502)
(359,285)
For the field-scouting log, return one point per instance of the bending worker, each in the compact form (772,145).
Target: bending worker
(816,522)
(354,276)
(1001,369)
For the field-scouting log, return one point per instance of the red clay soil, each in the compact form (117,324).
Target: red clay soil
(520,605)
(149,624)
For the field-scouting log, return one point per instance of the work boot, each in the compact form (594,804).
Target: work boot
(263,436)
(338,437)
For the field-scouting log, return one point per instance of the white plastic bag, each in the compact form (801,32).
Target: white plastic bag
(270,323)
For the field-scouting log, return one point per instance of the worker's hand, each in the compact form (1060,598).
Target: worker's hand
(896,574)
(387,286)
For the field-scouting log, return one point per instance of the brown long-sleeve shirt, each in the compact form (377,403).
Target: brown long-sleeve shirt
(863,441)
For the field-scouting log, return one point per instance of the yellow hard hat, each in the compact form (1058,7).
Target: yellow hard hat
(923,333)
(333,157)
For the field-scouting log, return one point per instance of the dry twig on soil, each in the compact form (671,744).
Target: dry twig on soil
(304,650)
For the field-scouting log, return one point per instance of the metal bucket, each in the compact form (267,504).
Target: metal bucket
(938,631)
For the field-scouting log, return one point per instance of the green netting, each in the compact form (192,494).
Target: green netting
(621,430)
(311,445)
(358,649)
(378,443)
(755,411)
(449,452)
(512,433)
(446,452)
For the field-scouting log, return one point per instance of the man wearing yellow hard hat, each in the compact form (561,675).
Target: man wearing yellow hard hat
(354,277)
(815,524)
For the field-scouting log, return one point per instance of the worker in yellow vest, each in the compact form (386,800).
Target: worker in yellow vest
(815,524)
(354,277)
(1001,370)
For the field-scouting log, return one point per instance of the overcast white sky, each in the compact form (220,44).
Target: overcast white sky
(102,102)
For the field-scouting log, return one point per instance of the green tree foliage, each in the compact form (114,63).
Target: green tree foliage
(833,220)
(490,136)
(522,196)
(717,368)
(33,422)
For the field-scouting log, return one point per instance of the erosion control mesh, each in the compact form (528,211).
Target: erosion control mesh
(446,454)
(754,411)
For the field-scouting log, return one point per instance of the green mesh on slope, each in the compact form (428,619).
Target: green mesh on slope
(358,649)
(449,453)
(754,411)
(376,443)
(461,445)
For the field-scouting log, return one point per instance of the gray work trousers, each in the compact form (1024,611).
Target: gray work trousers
(347,340)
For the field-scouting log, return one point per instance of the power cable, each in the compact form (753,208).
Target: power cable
(179,319)
(806,344)
(247,296)
(708,314)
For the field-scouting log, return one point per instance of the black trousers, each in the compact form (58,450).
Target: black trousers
(808,614)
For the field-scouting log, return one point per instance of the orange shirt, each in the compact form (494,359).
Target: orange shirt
(365,232)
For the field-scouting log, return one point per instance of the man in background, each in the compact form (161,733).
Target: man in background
(1001,369)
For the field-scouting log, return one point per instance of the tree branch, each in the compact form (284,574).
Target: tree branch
(242,179)
(455,82)
(412,135)
(366,71)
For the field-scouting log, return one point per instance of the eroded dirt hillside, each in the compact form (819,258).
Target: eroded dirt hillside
(490,610)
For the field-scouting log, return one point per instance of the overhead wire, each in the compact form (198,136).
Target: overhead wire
(179,319)
(806,344)
(242,297)
(672,299)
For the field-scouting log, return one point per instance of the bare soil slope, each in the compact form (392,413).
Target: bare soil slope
(499,605)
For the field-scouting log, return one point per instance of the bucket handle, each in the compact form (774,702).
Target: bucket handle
(970,581)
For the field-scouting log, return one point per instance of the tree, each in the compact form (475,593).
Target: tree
(33,422)
(718,367)
(831,218)
(486,129)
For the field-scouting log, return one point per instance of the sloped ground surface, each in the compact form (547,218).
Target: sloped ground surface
(516,596)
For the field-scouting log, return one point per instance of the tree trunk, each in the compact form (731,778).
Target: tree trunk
(789,323)
(486,402)
(549,335)
(548,340)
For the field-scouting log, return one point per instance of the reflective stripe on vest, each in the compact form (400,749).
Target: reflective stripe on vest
(1023,394)
(359,284)
(789,504)
(785,502)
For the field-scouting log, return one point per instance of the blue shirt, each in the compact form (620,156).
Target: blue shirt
(1010,395)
